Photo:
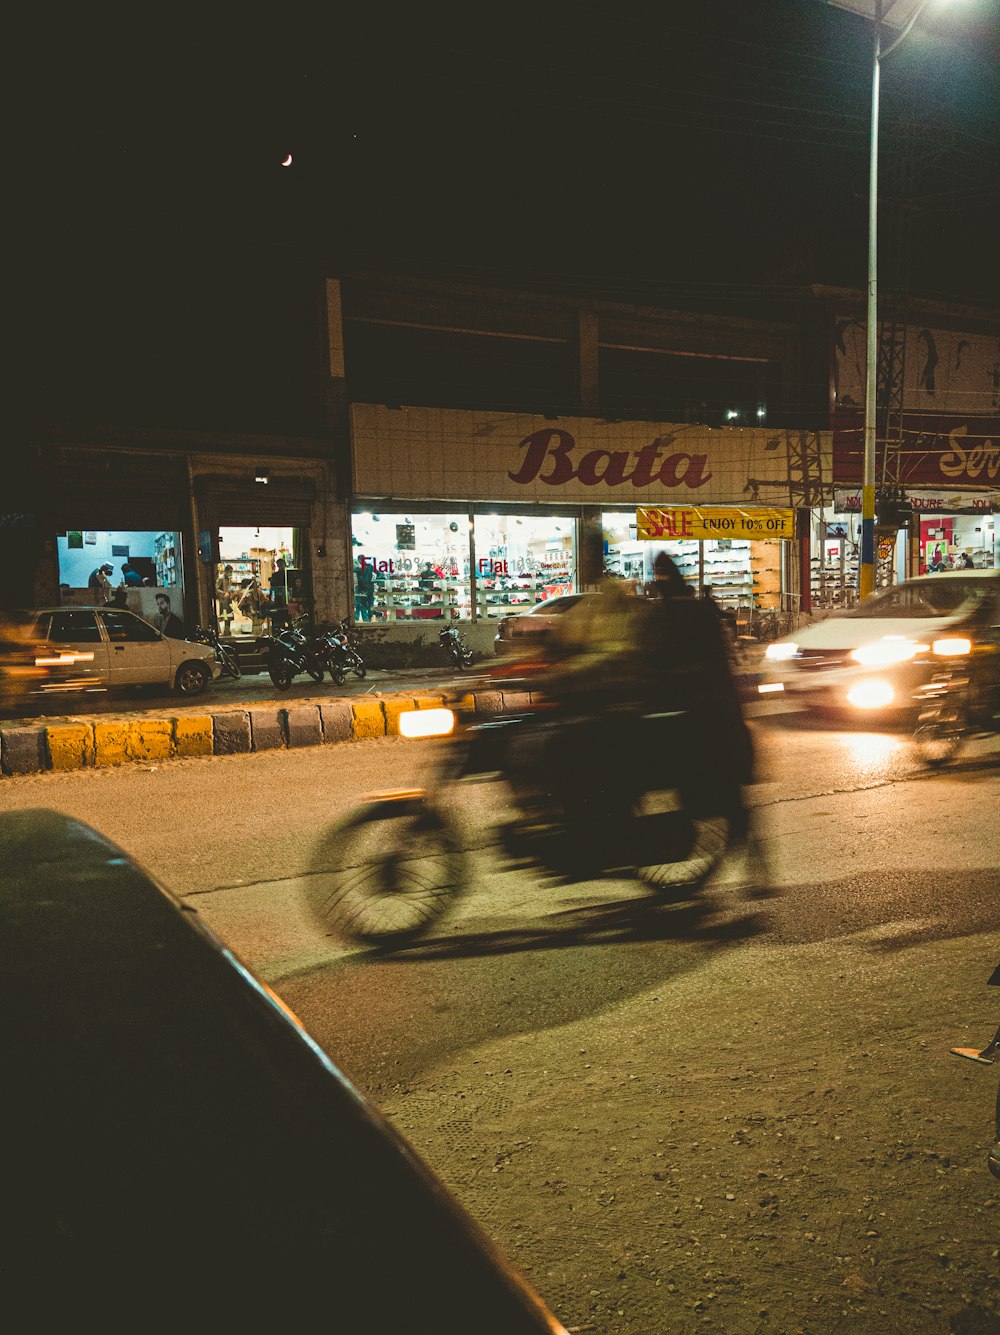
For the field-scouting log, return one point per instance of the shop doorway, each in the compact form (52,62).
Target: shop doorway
(260,583)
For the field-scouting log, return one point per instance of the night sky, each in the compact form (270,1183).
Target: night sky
(665,154)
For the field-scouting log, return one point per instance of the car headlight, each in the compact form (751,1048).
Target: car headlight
(871,694)
(883,653)
(783,649)
(952,646)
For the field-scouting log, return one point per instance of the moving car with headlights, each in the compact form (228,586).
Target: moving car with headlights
(875,658)
(31,669)
(118,648)
(524,632)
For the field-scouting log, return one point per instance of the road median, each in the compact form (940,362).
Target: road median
(28,748)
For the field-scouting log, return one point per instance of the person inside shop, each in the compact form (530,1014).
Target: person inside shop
(99,584)
(364,593)
(225,592)
(254,605)
(964,562)
(279,595)
(429,576)
(131,578)
(165,619)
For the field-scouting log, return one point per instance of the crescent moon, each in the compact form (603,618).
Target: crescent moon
(287,162)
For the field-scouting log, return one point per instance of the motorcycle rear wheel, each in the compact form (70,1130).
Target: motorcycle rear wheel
(398,867)
(230,665)
(281,675)
(708,848)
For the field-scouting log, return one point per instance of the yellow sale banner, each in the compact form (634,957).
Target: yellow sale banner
(674,522)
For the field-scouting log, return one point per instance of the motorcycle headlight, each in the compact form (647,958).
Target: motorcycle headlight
(952,646)
(426,722)
(883,653)
(783,649)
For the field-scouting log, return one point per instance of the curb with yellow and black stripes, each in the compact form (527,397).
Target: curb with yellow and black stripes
(79,743)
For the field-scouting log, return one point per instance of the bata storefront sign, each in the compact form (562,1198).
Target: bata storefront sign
(848,501)
(935,452)
(428,453)
(676,522)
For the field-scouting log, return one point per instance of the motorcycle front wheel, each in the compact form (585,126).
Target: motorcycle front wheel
(396,868)
(940,735)
(360,670)
(281,675)
(230,665)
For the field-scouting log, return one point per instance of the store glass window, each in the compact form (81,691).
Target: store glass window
(521,560)
(135,564)
(260,580)
(411,567)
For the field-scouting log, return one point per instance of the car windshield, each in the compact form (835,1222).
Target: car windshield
(926,598)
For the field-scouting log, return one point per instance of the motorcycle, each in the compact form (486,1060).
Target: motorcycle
(586,807)
(336,651)
(225,655)
(286,653)
(455,646)
(953,707)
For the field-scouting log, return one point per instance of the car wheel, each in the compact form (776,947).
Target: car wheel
(191,679)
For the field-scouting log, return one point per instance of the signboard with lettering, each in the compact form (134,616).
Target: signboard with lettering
(675,522)
(936,451)
(432,454)
(847,500)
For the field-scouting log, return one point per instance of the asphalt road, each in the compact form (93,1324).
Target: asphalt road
(482,1041)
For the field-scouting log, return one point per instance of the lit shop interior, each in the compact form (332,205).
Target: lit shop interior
(432,567)
(141,562)
(739,573)
(259,580)
(945,542)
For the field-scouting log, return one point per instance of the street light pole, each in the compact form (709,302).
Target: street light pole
(866,584)
(866,572)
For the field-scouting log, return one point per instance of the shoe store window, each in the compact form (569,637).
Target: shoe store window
(522,560)
(411,567)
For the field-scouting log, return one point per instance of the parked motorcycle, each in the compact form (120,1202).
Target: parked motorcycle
(455,647)
(225,655)
(350,655)
(587,806)
(287,653)
(954,707)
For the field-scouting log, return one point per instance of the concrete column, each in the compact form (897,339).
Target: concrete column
(590,556)
(588,360)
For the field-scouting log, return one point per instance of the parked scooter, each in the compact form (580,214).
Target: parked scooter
(455,647)
(287,653)
(225,655)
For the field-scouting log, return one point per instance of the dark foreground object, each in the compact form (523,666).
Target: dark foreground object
(176,1148)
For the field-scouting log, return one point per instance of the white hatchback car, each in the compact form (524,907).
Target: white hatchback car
(875,657)
(117,648)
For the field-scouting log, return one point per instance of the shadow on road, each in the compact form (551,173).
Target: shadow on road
(629,920)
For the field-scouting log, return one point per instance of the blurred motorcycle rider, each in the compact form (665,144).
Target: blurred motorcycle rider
(651,677)
(687,643)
